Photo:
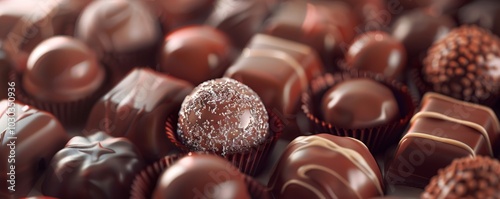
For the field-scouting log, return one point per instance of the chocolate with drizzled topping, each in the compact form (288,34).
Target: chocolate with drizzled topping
(465,64)
(466,178)
(222,116)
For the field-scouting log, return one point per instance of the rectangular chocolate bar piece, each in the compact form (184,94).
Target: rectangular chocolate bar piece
(137,108)
(278,70)
(444,129)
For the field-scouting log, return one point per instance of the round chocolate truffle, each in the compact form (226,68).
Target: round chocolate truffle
(477,177)
(377,52)
(359,103)
(62,69)
(465,64)
(97,166)
(418,29)
(201,176)
(203,49)
(222,116)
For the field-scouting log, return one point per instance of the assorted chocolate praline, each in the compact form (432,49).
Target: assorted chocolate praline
(97,166)
(24,156)
(63,56)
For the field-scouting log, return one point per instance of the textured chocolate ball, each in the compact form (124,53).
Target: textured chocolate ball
(477,177)
(377,52)
(201,176)
(359,103)
(222,116)
(62,69)
(203,49)
(465,64)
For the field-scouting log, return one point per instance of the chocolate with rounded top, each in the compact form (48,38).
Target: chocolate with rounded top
(222,116)
(466,178)
(203,49)
(377,52)
(327,167)
(482,13)
(178,13)
(418,29)
(278,70)
(62,69)
(201,176)
(240,19)
(98,166)
(359,103)
(465,64)
(324,26)
(29,139)
(117,26)
(137,108)
(443,130)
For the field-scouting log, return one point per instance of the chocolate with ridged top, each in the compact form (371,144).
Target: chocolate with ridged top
(378,52)
(466,178)
(359,103)
(29,138)
(62,69)
(98,166)
(137,108)
(327,167)
(223,116)
(203,49)
(201,176)
(465,64)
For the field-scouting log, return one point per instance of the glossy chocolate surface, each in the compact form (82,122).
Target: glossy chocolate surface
(201,176)
(443,130)
(378,52)
(223,116)
(29,139)
(325,26)
(62,69)
(277,70)
(359,103)
(178,13)
(98,166)
(240,19)
(418,29)
(326,166)
(465,64)
(481,13)
(137,108)
(6,67)
(203,49)
(124,34)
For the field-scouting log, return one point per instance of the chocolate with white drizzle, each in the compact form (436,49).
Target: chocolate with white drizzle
(444,129)
(325,166)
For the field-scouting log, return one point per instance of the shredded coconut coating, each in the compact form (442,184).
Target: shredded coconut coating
(222,116)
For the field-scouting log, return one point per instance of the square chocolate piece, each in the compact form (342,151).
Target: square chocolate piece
(137,108)
(278,70)
(29,138)
(444,129)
